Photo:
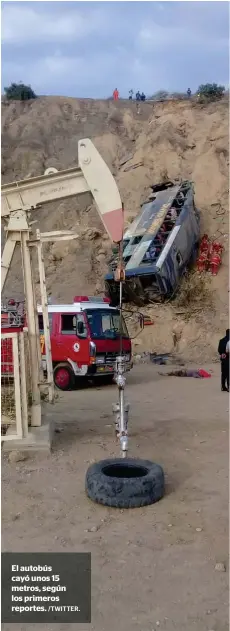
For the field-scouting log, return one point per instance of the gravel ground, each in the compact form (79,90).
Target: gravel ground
(152,568)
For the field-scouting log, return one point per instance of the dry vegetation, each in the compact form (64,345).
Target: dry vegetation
(194,293)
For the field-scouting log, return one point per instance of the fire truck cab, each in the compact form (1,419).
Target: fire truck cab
(85,340)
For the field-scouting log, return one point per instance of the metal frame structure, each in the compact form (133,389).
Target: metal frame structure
(17,388)
(44,237)
(19,199)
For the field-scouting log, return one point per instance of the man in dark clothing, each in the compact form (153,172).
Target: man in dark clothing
(223,350)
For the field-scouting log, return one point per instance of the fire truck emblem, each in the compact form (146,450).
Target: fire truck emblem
(76,347)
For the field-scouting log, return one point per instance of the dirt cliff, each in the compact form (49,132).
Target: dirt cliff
(174,138)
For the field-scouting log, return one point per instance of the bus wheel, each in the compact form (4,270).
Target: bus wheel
(64,378)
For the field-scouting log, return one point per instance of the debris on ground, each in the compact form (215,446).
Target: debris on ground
(141,357)
(16,516)
(220,567)
(17,456)
(197,374)
(165,358)
(160,358)
(134,166)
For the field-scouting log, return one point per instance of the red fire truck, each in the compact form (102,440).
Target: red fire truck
(85,340)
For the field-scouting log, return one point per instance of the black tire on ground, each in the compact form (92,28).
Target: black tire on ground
(125,482)
(67,383)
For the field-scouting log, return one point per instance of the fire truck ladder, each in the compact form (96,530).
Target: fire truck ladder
(19,199)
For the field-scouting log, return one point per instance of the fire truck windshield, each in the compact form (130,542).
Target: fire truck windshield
(104,324)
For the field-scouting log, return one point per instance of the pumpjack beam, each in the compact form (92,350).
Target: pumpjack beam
(92,175)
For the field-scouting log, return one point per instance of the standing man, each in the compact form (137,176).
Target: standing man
(223,350)
(116,94)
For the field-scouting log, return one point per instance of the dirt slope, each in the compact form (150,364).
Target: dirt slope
(181,139)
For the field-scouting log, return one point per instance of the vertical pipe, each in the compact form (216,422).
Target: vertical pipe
(40,369)
(23,385)
(17,389)
(31,321)
(44,301)
(123,424)
(122,409)
(120,292)
(121,385)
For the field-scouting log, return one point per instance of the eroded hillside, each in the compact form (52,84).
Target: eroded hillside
(180,139)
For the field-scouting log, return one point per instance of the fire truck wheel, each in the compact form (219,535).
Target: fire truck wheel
(64,377)
(125,483)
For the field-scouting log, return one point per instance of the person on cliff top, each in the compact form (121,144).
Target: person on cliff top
(115,94)
(189,93)
(223,350)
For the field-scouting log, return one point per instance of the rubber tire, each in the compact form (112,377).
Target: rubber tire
(125,492)
(71,374)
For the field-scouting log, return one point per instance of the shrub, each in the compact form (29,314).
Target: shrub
(194,292)
(161,95)
(19,92)
(210,92)
(180,96)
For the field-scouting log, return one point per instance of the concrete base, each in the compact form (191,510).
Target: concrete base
(38,439)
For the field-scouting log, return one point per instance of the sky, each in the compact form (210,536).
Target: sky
(86,49)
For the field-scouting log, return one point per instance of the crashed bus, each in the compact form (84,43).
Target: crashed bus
(158,246)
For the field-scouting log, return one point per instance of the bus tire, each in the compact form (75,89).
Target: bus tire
(64,378)
(125,483)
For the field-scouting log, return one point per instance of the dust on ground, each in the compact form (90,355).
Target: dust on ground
(154,567)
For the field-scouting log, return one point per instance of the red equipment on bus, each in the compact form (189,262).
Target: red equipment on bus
(215,257)
(203,257)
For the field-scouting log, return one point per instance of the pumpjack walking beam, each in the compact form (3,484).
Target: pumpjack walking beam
(20,198)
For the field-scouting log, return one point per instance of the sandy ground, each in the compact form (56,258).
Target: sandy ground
(151,568)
